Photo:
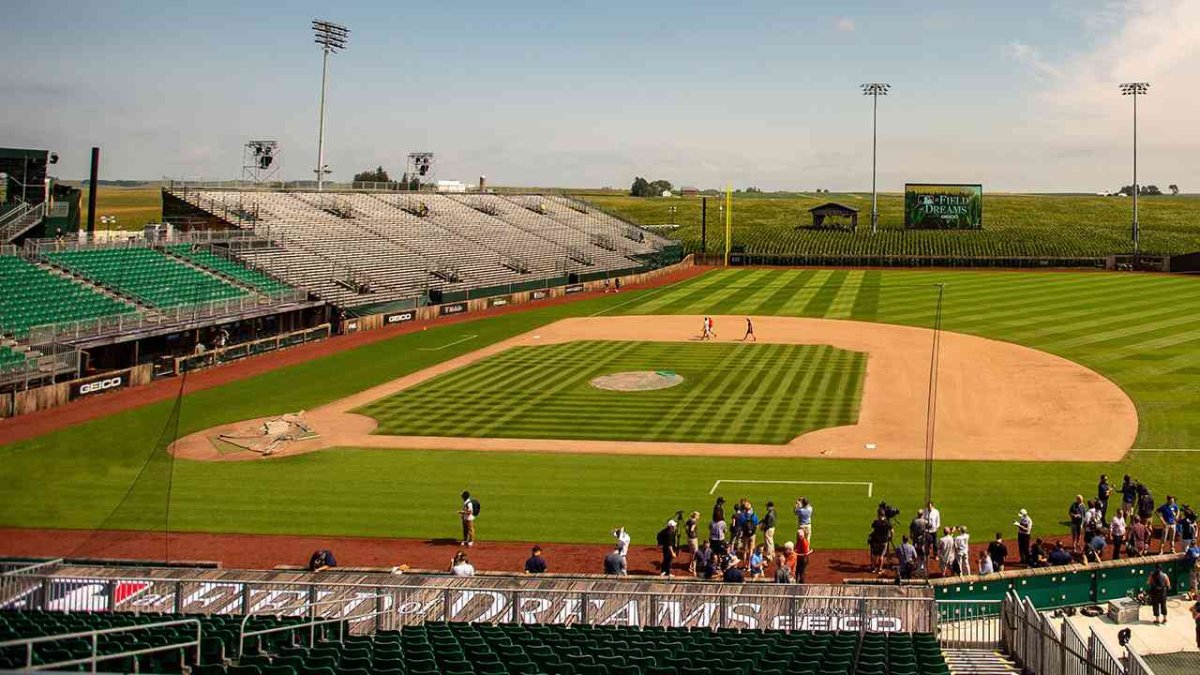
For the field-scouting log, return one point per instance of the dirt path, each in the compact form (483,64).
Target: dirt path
(244,551)
(996,400)
(77,412)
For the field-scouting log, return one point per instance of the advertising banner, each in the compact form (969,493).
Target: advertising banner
(499,301)
(452,308)
(98,385)
(539,294)
(399,317)
(948,206)
(573,288)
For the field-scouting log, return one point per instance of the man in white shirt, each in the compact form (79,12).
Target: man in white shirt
(946,552)
(622,537)
(461,565)
(962,550)
(933,521)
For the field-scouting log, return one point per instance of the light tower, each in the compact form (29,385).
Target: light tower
(874,90)
(333,38)
(1135,89)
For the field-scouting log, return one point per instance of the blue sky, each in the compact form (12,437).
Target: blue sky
(1017,95)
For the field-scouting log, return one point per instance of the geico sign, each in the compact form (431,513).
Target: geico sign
(397,318)
(100,385)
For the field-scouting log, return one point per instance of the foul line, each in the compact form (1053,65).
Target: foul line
(1164,450)
(870,486)
(633,299)
(448,344)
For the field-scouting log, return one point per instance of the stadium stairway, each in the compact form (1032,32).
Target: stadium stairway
(979,662)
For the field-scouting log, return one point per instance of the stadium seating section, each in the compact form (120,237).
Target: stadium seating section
(35,296)
(146,274)
(10,358)
(228,268)
(402,245)
(483,649)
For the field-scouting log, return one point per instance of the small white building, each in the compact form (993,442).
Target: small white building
(450,186)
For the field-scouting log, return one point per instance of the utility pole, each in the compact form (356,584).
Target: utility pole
(332,37)
(1135,89)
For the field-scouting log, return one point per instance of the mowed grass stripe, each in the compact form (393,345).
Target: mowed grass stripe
(544,392)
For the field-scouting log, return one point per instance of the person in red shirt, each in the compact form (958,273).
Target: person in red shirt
(803,550)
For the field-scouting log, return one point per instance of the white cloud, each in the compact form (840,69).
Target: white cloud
(1030,56)
(845,24)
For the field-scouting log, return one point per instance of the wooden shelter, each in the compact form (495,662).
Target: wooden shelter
(834,216)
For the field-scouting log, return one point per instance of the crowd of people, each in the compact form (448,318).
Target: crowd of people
(742,545)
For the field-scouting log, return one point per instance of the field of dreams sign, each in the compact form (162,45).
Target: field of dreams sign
(377,601)
(938,206)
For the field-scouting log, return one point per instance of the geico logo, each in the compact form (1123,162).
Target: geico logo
(400,317)
(100,385)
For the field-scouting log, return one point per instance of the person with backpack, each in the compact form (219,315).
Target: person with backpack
(468,513)
(666,542)
(1159,585)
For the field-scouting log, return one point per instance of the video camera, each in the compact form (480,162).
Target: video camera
(888,510)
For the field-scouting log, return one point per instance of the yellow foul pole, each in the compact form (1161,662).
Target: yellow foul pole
(728,221)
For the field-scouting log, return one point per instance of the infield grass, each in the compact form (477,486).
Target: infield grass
(731,393)
(1142,331)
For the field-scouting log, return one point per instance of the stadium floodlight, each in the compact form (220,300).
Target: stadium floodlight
(874,90)
(1135,89)
(333,38)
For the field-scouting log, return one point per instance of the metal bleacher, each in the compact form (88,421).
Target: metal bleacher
(365,248)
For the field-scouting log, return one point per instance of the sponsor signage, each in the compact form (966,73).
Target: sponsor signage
(350,326)
(945,206)
(453,308)
(99,385)
(500,301)
(399,317)
(573,288)
(625,604)
(539,294)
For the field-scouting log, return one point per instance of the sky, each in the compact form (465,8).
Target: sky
(1018,95)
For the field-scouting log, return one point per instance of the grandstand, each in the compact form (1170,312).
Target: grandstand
(363,249)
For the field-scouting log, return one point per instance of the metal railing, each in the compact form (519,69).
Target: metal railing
(1135,664)
(251,348)
(315,620)
(1041,648)
(16,577)
(969,624)
(94,635)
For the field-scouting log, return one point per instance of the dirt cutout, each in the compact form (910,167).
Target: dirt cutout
(638,380)
(995,400)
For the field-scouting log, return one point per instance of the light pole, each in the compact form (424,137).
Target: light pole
(874,90)
(1135,89)
(332,37)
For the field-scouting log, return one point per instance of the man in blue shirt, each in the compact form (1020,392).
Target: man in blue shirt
(1103,491)
(803,511)
(1168,513)
(1059,556)
(536,563)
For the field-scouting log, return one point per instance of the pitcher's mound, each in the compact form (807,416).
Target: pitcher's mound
(638,380)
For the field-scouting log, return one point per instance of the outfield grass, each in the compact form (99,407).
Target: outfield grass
(731,393)
(1013,225)
(1142,331)
(133,206)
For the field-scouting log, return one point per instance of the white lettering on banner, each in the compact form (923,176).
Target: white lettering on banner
(100,385)
(276,600)
(570,612)
(626,614)
(200,595)
(499,604)
(530,615)
(702,615)
(732,617)
(397,318)
(151,600)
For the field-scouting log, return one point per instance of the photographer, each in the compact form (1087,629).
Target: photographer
(878,539)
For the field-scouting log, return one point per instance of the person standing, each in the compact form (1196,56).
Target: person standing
(768,529)
(933,523)
(1075,513)
(1117,531)
(623,539)
(986,566)
(906,556)
(946,552)
(467,513)
(1093,522)
(690,527)
(789,559)
(1196,618)
(461,565)
(1103,491)
(1159,585)
(716,535)
(536,563)
(1187,528)
(997,551)
(1168,514)
(962,550)
(1191,560)
(749,332)
(702,562)
(1024,532)
(878,539)
(1139,538)
(804,512)
(916,535)
(783,573)
(666,542)
(802,550)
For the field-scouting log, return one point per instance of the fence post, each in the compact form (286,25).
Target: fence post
(584,610)
(179,598)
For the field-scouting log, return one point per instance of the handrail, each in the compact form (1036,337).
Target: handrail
(311,625)
(93,634)
(31,566)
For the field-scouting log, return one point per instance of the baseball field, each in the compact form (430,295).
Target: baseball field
(1139,332)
